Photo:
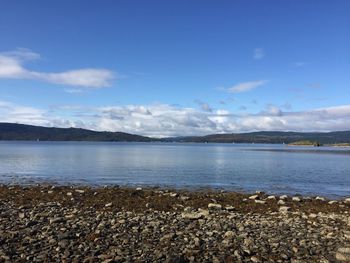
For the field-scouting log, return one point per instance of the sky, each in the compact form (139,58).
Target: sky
(176,68)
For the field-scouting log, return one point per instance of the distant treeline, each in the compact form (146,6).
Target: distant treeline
(13,131)
(271,137)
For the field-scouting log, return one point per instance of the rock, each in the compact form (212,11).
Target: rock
(50,192)
(57,220)
(167,237)
(347,234)
(347,201)
(296,199)
(229,234)
(214,206)
(343,254)
(254,197)
(69,194)
(271,197)
(284,209)
(260,201)
(63,243)
(108,204)
(229,208)
(281,202)
(332,202)
(139,189)
(192,216)
(58,230)
(312,215)
(184,198)
(320,198)
(79,191)
(283,197)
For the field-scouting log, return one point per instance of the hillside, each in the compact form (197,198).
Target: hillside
(271,137)
(12,131)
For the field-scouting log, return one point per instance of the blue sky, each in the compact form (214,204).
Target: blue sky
(165,68)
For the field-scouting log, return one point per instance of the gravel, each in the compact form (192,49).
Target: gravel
(106,229)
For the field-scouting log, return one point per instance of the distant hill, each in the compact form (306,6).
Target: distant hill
(13,131)
(271,137)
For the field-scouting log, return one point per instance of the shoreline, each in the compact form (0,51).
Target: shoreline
(122,224)
(86,194)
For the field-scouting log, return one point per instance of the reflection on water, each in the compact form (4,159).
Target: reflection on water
(271,168)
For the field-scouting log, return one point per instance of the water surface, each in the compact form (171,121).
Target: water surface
(241,167)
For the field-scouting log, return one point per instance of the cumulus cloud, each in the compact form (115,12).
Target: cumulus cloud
(163,120)
(259,53)
(11,112)
(12,66)
(204,105)
(246,86)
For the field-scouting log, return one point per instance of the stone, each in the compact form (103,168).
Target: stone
(254,197)
(284,209)
(214,206)
(229,234)
(79,191)
(347,201)
(57,220)
(296,199)
(281,202)
(255,259)
(343,254)
(320,198)
(347,234)
(283,197)
(139,189)
(271,197)
(108,204)
(229,208)
(192,216)
(312,215)
(184,198)
(69,194)
(260,201)
(332,202)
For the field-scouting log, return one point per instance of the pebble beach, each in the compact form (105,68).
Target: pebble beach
(47,223)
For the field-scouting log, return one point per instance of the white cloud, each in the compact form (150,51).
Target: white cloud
(11,112)
(246,86)
(162,120)
(12,66)
(204,106)
(259,53)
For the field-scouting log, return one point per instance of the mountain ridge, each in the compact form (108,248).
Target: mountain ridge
(15,131)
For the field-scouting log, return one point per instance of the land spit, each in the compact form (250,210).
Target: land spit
(112,224)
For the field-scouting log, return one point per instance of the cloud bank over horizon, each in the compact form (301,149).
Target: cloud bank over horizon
(163,120)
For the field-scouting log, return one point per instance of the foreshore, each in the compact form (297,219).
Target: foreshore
(118,224)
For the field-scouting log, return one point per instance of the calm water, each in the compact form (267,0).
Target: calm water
(242,167)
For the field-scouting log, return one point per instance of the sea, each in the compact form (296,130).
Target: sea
(272,168)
